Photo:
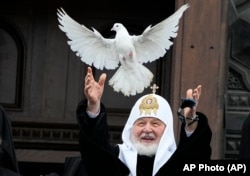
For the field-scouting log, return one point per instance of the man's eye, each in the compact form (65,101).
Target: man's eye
(140,124)
(155,124)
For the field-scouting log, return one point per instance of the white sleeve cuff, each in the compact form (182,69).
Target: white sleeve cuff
(188,133)
(93,115)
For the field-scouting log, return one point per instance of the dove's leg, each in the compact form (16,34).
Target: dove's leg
(130,54)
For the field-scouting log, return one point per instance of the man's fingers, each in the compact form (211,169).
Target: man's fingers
(89,76)
(87,89)
(88,73)
(89,70)
(189,93)
(102,79)
(194,94)
(197,93)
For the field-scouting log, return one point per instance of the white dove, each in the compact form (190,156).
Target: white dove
(128,52)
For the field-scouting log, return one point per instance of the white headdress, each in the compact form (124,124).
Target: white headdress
(150,105)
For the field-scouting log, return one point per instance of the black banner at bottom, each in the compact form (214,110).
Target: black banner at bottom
(214,167)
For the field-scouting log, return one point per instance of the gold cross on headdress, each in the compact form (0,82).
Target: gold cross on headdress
(154,88)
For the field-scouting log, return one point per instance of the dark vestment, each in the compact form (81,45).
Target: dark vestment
(101,158)
(74,167)
(245,140)
(8,162)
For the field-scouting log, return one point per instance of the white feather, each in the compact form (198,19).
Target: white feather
(89,45)
(154,42)
(126,51)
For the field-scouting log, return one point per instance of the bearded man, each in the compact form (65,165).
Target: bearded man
(148,145)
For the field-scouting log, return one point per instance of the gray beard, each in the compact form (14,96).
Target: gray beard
(148,150)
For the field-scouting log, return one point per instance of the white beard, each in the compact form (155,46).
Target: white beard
(143,149)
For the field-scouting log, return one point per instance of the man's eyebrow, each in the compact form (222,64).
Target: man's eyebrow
(138,120)
(157,120)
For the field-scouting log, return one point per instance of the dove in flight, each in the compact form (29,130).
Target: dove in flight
(126,52)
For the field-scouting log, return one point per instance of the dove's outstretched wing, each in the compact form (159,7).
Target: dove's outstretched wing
(90,46)
(154,42)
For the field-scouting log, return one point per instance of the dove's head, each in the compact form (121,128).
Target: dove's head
(117,26)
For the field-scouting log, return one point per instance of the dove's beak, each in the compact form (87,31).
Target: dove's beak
(112,29)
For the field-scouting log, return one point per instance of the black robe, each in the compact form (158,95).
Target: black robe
(99,157)
(8,161)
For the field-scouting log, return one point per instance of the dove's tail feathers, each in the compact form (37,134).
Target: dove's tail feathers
(131,81)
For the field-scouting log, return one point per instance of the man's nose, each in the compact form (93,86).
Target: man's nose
(147,127)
